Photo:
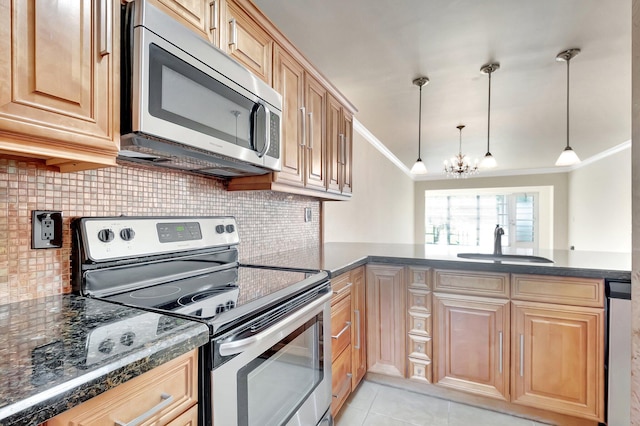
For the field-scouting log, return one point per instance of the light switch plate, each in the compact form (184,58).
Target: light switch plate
(307,214)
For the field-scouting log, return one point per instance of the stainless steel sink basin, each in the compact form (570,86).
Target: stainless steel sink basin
(505,257)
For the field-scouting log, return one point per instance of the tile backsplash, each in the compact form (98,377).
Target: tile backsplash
(267,221)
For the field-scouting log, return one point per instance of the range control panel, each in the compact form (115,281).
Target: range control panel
(110,238)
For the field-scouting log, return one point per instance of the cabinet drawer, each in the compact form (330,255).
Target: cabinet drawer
(419,278)
(419,300)
(340,381)
(420,324)
(420,370)
(340,286)
(474,283)
(164,393)
(561,290)
(340,326)
(420,347)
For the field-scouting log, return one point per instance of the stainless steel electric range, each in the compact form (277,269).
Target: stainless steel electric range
(268,360)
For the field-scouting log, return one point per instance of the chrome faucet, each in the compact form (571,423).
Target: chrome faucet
(497,240)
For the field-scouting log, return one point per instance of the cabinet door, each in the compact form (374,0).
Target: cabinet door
(347,154)
(558,358)
(245,40)
(334,144)
(201,16)
(288,80)
(58,62)
(358,342)
(386,311)
(471,339)
(315,101)
(340,381)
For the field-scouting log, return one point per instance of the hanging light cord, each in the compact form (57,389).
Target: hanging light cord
(489,112)
(460,146)
(568,60)
(420,122)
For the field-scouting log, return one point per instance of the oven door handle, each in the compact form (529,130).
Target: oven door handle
(239,346)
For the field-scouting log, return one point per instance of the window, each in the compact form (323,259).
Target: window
(469,219)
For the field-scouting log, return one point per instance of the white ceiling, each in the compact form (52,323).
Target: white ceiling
(371,50)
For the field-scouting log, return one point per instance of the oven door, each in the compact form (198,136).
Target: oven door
(280,375)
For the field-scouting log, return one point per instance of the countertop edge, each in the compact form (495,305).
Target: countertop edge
(484,266)
(43,406)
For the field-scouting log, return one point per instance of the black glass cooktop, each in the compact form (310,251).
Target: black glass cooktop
(208,295)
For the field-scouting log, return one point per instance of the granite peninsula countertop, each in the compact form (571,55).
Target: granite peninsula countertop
(46,366)
(337,258)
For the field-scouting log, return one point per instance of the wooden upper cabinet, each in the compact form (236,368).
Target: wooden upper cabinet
(243,38)
(558,358)
(339,150)
(59,97)
(315,135)
(200,16)
(288,80)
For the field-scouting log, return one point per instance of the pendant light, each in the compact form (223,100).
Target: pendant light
(419,168)
(488,162)
(460,166)
(568,156)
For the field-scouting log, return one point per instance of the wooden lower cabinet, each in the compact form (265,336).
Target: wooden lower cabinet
(558,358)
(166,395)
(472,344)
(386,319)
(348,335)
(359,326)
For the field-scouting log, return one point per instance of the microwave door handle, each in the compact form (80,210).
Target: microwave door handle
(267,131)
(239,346)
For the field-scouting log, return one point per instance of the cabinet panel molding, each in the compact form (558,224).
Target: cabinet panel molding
(558,358)
(386,317)
(472,344)
(470,282)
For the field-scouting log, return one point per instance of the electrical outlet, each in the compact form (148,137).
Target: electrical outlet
(46,229)
(307,214)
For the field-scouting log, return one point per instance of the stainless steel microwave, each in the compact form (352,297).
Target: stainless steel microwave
(189,106)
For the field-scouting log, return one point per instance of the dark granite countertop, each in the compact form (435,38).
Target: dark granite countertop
(338,258)
(47,364)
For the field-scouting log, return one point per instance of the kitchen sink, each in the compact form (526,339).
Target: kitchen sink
(505,257)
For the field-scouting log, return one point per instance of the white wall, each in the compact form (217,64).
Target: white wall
(599,206)
(556,235)
(381,209)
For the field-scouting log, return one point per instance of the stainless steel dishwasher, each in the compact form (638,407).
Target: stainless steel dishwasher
(619,353)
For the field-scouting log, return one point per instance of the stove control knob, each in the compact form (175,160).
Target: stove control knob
(106,346)
(230,228)
(127,338)
(127,234)
(106,235)
(220,229)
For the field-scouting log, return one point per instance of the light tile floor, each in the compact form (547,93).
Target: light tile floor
(374,404)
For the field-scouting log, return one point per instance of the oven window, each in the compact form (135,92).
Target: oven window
(184,95)
(272,387)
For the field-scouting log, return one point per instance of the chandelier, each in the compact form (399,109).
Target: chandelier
(459,166)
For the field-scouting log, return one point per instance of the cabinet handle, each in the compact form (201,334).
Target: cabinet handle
(345,328)
(166,400)
(106,23)
(357,312)
(343,289)
(310,130)
(344,387)
(521,355)
(304,126)
(214,15)
(234,32)
(500,337)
